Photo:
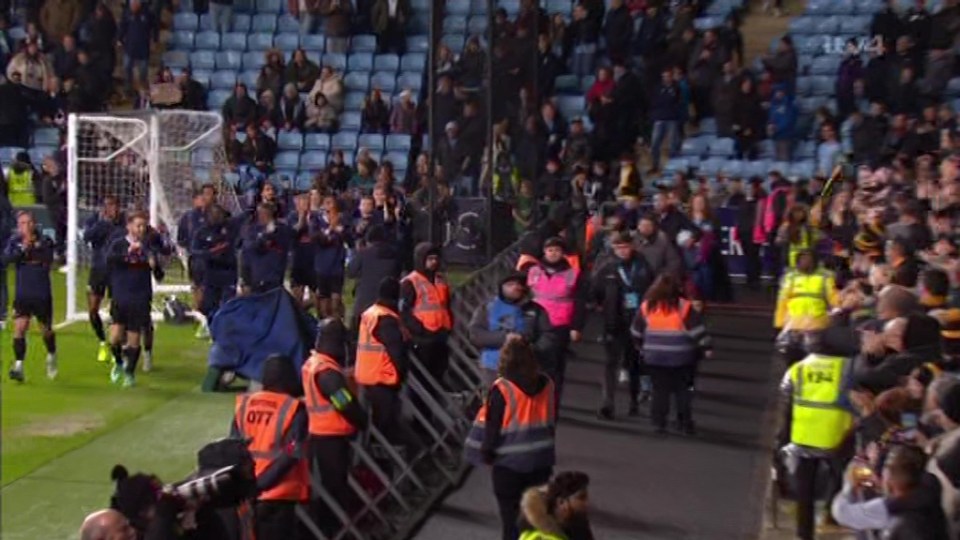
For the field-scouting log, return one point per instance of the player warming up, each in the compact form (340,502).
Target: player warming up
(132,262)
(98,232)
(32,254)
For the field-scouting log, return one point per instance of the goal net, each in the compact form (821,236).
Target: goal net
(148,160)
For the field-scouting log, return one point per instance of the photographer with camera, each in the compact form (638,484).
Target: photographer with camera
(275,424)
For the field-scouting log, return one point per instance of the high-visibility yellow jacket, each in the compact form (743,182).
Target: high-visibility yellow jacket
(820,419)
(805,300)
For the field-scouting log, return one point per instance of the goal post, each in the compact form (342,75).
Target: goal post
(149,160)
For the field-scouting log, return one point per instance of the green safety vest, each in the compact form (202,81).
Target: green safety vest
(808,295)
(20,188)
(794,249)
(539,535)
(819,420)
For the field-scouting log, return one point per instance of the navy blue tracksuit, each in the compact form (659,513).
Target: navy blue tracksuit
(187,227)
(215,245)
(131,283)
(265,255)
(98,233)
(33,296)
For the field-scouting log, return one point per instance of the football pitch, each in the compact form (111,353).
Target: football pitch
(61,438)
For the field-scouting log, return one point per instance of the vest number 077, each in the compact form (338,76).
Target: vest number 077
(259,417)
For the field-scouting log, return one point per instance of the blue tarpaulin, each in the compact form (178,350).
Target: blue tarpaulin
(248,329)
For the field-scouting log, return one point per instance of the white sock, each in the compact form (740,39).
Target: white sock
(18,365)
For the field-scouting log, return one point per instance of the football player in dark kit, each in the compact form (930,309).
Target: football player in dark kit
(133,262)
(216,245)
(190,222)
(266,246)
(32,254)
(99,230)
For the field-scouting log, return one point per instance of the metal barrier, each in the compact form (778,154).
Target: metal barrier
(440,413)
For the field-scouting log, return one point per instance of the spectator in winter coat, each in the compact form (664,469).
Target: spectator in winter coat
(389,20)
(851,69)
(336,16)
(375,116)
(749,118)
(31,67)
(369,266)
(292,110)
(137,29)
(782,123)
(618,31)
(320,116)
(239,110)
(656,248)
(783,63)
(331,86)
(403,115)
(665,114)
(725,90)
(301,71)
(582,40)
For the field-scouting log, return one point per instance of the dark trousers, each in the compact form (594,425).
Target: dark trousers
(386,407)
(215,295)
(751,254)
(4,294)
(435,357)
(805,480)
(621,354)
(671,382)
(392,39)
(331,456)
(508,487)
(277,520)
(554,361)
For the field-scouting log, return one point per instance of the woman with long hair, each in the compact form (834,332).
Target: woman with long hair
(514,430)
(796,234)
(673,339)
(713,281)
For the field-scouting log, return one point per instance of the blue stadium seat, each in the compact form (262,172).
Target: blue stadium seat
(675,165)
(856,26)
(289,140)
(186,21)
(259,42)
(242,23)
(810,105)
(802,25)
(46,137)
(360,62)
(350,121)
(203,77)
(708,126)
(586,82)
(249,78)
(732,167)
(209,41)
(304,181)
(283,177)
(287,160)
(8,153)
(254,60)
(567,84)
(386,81)
(706,23)
(571,106)
(288,24)
(825,65)
(287,42)
(559,6)
(216,98)
(358,81)
(823,85)
(805,44)
(827,25)
(202,157)
(477,24)
(314,161)
(511,6)
(268,6)
(418,44)
(711,166)
(353,101)
(224,80)
(804,86)
(232,179)
(201,175)
(841,7)
(386,62)
(229,60)
(765,149)
(200,60)
(420,6)
(805,150)
(758,167)
(182,39)
(313,43)
(371,141)
(478,7)
(693,146)
(312,142)
(783,167)
(264,23)
(345,140)
(868,7)
(176,59)
(410,80)
(420,24)
(953,87)
(817,7)
(234,41)
(454,41)
(458,8)
(722,147)
(337,61)
(455,24)
(315,56)
(363,43)
(397,143)
(399,160)
(413,62)
(206,23)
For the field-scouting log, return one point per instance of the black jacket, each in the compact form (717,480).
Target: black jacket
(536,329)
(369,266)
(918,515)
(618,285)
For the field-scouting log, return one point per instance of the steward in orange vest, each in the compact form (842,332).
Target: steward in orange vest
(515,429)
(425,309)
(275,423)
(334,412)
(381,364)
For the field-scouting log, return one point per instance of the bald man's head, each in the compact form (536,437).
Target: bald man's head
(106,525)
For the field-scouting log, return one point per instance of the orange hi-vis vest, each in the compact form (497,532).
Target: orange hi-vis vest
(325,420)
(432,307)
(574,261)
(525,262)
(526,434)
(373,362)
(264,418)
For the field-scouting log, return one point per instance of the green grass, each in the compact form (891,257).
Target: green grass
(61,438)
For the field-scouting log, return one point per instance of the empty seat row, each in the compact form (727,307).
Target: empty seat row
(239,41)
(209,60)
(716,166)
(830,25)
(843,7)
(294,141)
(709,146)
